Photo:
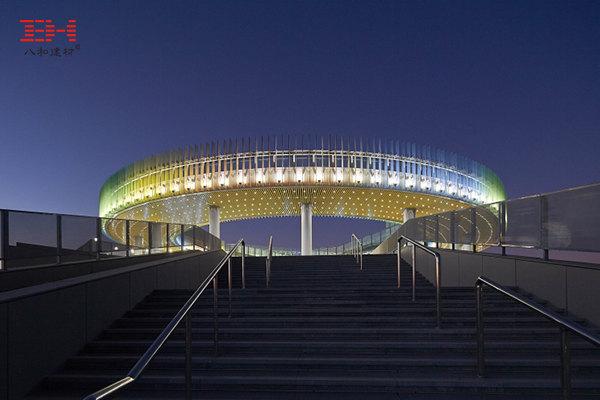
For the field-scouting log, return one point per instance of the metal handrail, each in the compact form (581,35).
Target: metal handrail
(566,326)
(357,249)
(139,368)
(269,259)
(438,281)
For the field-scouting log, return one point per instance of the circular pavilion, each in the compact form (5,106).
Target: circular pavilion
(284,176)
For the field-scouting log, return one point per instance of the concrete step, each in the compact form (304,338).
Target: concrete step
(326,329)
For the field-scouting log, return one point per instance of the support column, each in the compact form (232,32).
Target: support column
(306,229)
(157,237)
(409,213)
(214,221)
(138,245)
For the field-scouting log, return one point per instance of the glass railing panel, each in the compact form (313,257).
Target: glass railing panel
(347,248)
(32,239)
(3,238)
(376,238)
(410,228)
(463,226)
(159,237)
(486,222)
(139,237)
(79,237)
(366,241)
(573,220)
(523,223)
(444,227)
(109,247)
(203,239)
(430,228)
(173,237)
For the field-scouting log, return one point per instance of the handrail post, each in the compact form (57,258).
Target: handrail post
(565,362)
(229,282)
(438,291)
(480,343)
(167,244)
(58,239)
(414,268)
(188,355)
(193,237)
(149,237)
(182,237)
(357,249)
(98,237)
(438,277)
(243,265)
(127,245)
(268,262)
(361,256)
(474,229)
(3,239)
(267,272)
(399,262)
(216,315)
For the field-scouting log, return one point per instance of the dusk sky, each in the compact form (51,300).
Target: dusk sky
(514,85)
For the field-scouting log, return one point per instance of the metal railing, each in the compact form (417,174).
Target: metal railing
(357,249)
(370,242)
(263,251)
(185,312)
(30,239)
(268,261)
(553,221)
(566,327)
(438,281)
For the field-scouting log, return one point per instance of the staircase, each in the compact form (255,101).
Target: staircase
(327,330)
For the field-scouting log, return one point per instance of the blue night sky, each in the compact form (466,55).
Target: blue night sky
(514,85)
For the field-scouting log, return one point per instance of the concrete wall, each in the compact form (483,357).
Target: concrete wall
(42,326)
(17,278)
(572,286)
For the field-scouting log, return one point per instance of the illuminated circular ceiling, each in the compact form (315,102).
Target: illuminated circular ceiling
(272,180)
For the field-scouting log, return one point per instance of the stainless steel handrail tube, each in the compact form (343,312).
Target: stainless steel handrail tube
(243,266)
(357,249)
(438,280)
(139,368)
(268,262)
(566,326)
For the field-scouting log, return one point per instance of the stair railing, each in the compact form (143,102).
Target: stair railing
(438,281)
(566,327)
(268,262)
(357,249)
(185,312)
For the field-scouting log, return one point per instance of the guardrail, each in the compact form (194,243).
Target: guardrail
(30,239)
(560,220)
(566,326)
(268,262)
(357,249)
(369,242)
(438,280)
(185,312)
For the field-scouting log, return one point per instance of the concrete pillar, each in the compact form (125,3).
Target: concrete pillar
(157,237)
(138,244)
(214,221)
(409,213)
(306,229)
